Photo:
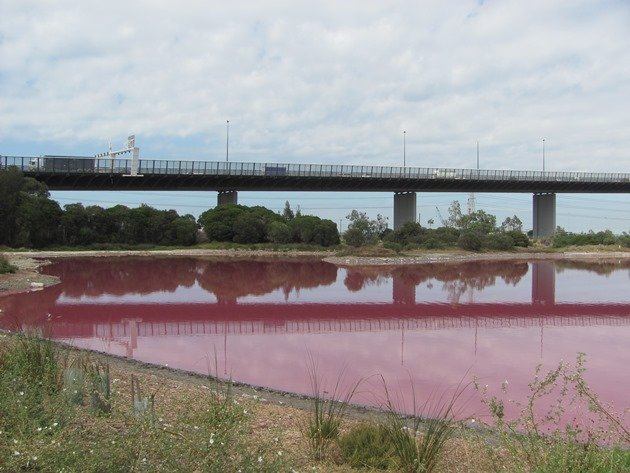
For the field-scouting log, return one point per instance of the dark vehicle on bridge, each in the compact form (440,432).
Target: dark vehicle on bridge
(61,164)
(275,171)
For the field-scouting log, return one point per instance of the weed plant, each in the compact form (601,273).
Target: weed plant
(542,440)
(368,445)
(420,440)
(5,266)
(327,412)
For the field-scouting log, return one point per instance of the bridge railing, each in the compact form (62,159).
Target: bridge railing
(82,164)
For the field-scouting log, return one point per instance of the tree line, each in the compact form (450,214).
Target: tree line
(475,231)
(31,219)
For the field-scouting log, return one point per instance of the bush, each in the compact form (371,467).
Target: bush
(392,245)
(278,232)
(248,228)
(499,241)
(354,237)
(520,238)
(469,241)
(433,244)
(368,445)
(5,266)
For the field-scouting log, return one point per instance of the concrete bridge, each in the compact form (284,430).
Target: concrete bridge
(227,178)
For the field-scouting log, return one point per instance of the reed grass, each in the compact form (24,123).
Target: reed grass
(328,411)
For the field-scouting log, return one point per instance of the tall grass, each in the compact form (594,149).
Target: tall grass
(328,411)
(419,441)
(44,429)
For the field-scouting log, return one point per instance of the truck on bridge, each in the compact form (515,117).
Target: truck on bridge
(61,164)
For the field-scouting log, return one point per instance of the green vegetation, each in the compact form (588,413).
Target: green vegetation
(368,445)
(5,266)
(31,219)
(250,225)
(328,412)
(562,239)
(46,426)
(540,438)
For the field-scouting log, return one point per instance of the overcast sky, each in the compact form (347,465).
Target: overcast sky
(327,82)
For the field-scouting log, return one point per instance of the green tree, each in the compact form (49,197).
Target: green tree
(287,213)
(479,221)
(182,230)
(75,223)
(37,222)
(11,181)
(249,228)
(454,215)
(218,223)
(370,229)
(512,224)
(279,232)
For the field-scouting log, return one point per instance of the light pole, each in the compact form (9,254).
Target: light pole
(404,149)
(543,155)
(477,156)
(227,142)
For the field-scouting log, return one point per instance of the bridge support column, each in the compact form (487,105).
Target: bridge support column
(404,208)
(544,215)
(227,197)
(403,292)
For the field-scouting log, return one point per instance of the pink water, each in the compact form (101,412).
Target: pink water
(422,328)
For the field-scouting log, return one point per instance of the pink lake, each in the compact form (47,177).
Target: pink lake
(422,328)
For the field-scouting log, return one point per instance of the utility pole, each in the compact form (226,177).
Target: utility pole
(543,155)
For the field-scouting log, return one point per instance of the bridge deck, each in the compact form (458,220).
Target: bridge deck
(84,173)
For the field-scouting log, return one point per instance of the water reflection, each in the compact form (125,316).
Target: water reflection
(260,317)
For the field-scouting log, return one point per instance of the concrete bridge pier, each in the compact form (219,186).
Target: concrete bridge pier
(404,208)
(544,214)
(227,197)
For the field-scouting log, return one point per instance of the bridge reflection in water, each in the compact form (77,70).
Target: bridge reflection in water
(93,300)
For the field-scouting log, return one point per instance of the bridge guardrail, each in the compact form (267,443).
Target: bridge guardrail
(83,164)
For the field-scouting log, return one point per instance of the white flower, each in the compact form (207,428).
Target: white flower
(16,453)
(259,459)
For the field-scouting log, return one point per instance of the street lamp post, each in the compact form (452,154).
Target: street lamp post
(543,155)
(227,142)
(404,149)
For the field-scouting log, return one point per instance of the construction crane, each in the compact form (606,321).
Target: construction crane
(444,223)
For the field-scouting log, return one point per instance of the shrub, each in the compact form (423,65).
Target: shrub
(499,241)
(538,441)
(433,244)
(278,232)
(354,237)
(520,238)
(469,241)
(5,266)
(368,445)
(248,228)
